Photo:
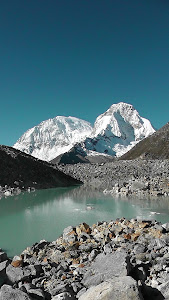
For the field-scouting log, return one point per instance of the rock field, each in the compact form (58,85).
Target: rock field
(120,259)
(124,177)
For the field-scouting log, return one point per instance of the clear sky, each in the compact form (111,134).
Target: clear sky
(77,57)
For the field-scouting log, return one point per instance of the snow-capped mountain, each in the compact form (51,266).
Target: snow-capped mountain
(117,130)
(53,137)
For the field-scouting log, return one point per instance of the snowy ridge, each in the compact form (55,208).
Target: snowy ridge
(53,137)
(115,132)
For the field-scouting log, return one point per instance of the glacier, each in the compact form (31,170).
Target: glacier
(114,133)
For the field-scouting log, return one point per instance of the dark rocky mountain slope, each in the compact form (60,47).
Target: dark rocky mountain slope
(78,155)
(20,170)
(155,146)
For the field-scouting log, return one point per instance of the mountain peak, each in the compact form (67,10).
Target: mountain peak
(122,120)
(114,133)
(54,136)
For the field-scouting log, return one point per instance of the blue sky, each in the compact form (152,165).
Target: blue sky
(77,57)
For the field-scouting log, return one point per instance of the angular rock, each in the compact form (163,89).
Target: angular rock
(107,266)
(166,227)
(14,274)
(83,228)
(63,296)
(3,266)
(8,293)
(164,289)
(69,235)
(55,288)
(3,256)
(3,276)
(118,288)
(36,294)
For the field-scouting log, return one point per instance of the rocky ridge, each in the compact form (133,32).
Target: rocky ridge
(155,146)
(131,177)
(20,171)
(120,259)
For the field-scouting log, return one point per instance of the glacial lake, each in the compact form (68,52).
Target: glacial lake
(31,217)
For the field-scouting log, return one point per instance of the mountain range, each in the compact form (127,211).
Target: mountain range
(114,133)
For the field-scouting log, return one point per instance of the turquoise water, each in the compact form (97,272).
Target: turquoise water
(30,217)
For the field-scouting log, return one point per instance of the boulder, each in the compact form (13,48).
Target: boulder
(8,293)
(107,266)
(118,288)
(3,256)
(14,274)
(164,289)
(69,235)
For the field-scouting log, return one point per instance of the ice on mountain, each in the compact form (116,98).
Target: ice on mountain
(114,133)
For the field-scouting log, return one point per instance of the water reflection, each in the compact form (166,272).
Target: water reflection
(30,217)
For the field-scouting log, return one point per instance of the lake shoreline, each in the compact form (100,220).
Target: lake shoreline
(87,259)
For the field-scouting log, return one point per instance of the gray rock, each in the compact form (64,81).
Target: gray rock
(3,276)
(139,248)
(35,270)
(8,293)
(92,254)
(67,230)
(68,234)
(3,256)
(107,266)
(118,288)
(32,290)
(166,227)
(164,289)
(86,247)
(137,185)
(14,274)
(83,237)
(63,296)
(26,286)
(36,294)
(57,288)
(81,292)
(3,266)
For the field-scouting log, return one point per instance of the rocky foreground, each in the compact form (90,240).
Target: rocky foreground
(124,177)
(122,259)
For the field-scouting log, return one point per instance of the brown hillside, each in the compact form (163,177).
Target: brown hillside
(155,146)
